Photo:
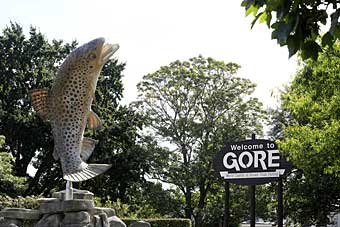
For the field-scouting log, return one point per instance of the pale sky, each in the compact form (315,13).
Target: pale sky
(153,33)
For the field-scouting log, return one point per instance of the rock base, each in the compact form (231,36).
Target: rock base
(57,212)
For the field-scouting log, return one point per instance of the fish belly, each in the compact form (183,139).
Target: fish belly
(71,105)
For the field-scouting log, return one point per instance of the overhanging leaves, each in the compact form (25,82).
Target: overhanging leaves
(300,20)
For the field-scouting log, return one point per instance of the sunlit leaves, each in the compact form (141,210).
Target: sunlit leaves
(9,184)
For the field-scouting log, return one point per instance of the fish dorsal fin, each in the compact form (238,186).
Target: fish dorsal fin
(87,148)
(40,102)
(94,121)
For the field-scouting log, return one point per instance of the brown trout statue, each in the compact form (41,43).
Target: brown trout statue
(67,105)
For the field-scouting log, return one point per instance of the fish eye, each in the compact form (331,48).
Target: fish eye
(92,56)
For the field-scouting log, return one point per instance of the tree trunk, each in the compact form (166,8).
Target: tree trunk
(201,204)
(188,207)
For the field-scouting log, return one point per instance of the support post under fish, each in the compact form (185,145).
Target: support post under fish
(69,191)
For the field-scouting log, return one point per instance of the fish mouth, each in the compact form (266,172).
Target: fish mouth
(106,51)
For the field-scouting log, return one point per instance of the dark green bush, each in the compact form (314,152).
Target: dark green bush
(161,222)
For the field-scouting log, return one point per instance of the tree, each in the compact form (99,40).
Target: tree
(194,107)
(311,139)
(297,24)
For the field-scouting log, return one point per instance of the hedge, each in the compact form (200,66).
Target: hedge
(161,222)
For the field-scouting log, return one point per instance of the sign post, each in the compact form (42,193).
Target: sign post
(279,203)
(252,162)
(252,189)
(226,204)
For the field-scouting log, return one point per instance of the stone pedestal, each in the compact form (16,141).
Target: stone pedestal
(15,217)
(57,212)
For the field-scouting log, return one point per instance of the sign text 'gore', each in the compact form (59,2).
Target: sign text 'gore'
(251,162)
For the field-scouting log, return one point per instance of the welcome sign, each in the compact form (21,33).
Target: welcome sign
(250,162)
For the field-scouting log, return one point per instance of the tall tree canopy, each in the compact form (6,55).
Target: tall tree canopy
(297,23)
(29,63)
(194,107)
(311,139)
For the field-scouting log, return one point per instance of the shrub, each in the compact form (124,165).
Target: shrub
(9,184)
(29,202)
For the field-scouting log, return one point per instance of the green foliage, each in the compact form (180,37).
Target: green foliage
(214,209)
(160,202)
(147,200)
(314,103)
(2,141)
(29,202)
(130,210)
(297,23)
(196,106)
(311,199)
(311,139)
(239,204)
(9,184)
(162,222)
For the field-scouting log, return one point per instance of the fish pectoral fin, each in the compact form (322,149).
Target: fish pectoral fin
(87,148)
(94,121)
(55,154)
(39,99)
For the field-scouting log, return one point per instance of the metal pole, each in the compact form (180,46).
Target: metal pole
(252,197)
(226,204)
(69,191)
(252,205)
(280,203)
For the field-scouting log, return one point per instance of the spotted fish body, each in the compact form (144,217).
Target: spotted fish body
(68,107)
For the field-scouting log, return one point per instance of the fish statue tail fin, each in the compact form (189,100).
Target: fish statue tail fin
(90,171)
